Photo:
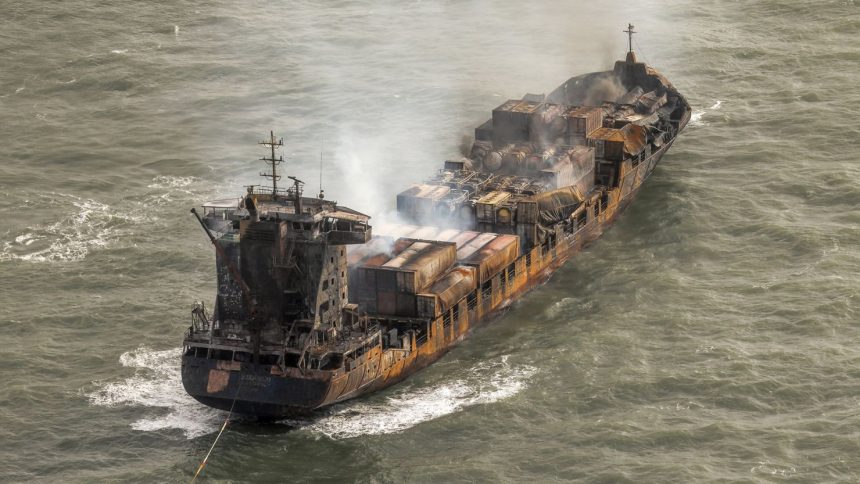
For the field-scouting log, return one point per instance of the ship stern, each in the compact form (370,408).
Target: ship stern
(256,390)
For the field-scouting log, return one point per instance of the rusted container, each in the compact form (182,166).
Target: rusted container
(582,164)
(484,132)
(386,302)
(527,212)
(581,121)
(608,143)
(511,121)
(418,265)
(427,306)
(454,285)
(474,245)
(493,256)
(528,234)
(560,174)
(616,144)
(487,205)
(418,202)
(386,284)
(462,238)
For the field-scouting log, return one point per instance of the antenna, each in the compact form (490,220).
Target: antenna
(322,193)
(297,188)
(273,162)
(629,33)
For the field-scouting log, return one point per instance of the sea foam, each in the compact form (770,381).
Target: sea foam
(91,224)
(156,388)
(696,118)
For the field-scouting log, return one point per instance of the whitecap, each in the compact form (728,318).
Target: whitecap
(169,189)
(92,225)
(119,51)
(696,118)
(169,181)
(482,384)
(157,384)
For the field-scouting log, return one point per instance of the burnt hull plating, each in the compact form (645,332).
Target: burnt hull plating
(275,389)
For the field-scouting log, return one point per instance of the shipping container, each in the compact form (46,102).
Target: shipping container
(527,212)
(484,132)
(420,264)
(511,121)
(559,175)
(419,201)
(454,285)
(493,256)
(581,121)
(486,206)
(608,143)
(582,163)
(426,306)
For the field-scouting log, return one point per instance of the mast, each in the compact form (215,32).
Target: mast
(631,57)
(272,161)
(629,33)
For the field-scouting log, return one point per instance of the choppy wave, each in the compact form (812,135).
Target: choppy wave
(88,224)
(157,384)
(169,181)
(91,225)
(697,118)
(168,189)
(484,383)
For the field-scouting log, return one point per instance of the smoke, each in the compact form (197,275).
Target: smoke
(608,88)
(391,89)
(466,145)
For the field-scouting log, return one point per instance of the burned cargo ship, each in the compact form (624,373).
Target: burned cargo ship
(314,308)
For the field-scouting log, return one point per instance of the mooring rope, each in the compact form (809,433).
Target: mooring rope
(223,427)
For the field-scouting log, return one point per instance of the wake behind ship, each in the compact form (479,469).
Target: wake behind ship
(313,308)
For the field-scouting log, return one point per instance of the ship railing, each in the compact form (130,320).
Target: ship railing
(261,190)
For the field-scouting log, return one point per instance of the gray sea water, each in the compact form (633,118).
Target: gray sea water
(711,336)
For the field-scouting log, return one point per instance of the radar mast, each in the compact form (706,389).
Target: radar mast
(631,57)
(272,161)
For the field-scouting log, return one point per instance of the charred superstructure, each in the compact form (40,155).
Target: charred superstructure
(313,309)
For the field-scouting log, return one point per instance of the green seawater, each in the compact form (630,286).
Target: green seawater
(711,335)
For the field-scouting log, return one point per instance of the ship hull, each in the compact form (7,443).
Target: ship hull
(270,392)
